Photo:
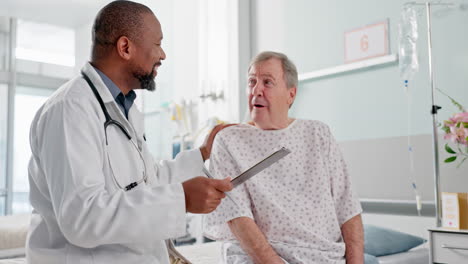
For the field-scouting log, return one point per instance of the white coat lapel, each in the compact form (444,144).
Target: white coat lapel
(107,98)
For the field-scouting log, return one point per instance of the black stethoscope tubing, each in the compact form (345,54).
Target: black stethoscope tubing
(109,119)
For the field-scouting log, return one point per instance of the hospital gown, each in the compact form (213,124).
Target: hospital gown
(299,203)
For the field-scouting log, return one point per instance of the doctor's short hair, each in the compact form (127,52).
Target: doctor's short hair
(117,19)
(289,69)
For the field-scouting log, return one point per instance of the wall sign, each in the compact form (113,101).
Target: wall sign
(367,42)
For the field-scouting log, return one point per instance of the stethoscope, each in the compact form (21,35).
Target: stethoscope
(109,121)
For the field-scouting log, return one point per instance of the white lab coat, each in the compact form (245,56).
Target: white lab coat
(80,215)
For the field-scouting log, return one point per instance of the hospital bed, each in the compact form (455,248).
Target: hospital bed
(13,230)
(210,253)
(415,256)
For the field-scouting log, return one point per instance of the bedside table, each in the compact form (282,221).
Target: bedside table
(448,246)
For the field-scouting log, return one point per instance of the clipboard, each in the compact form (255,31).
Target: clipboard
(263,164)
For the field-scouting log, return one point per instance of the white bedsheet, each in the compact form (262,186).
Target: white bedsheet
(207,253)
(13,261)
(417,256)
(210,253)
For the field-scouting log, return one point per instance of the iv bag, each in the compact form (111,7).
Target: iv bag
(407,37)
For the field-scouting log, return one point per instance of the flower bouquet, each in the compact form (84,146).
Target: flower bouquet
(456,130)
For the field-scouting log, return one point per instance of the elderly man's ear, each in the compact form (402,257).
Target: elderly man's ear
(292,95)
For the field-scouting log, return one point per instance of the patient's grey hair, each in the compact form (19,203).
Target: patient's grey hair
(289,69)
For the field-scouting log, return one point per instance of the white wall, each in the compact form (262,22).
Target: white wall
(4,29)
(269,26)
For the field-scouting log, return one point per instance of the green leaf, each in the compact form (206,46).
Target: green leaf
(446,129)
(455,103)
(449,149)
(466,139)
(451,159)
(458,105)
(465,124)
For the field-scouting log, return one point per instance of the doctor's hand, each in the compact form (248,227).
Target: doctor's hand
(203,195)
(205,148)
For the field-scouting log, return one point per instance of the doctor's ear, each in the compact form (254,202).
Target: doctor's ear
(124,47)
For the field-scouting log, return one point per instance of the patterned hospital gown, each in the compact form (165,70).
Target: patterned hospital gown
(299,203)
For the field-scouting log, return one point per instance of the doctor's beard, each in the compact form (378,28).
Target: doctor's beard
(147,79)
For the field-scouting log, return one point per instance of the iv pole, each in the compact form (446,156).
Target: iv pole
(435,108)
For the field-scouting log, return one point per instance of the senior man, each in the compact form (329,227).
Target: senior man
(299,210)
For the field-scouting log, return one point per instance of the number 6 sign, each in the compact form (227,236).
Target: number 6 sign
(367,42)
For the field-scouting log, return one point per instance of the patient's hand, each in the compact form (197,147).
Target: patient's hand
(203,195)
(205,148)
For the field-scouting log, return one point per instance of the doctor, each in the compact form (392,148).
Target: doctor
(98,196)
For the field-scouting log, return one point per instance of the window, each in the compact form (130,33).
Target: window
(42,51)
(27,101)
(45,43)
(220,59)
(3,48)
(3,140)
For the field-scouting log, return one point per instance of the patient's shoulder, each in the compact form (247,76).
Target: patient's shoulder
(316,127)
(236,134)
(315,124)
(231,131)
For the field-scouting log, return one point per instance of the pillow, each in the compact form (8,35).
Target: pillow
(379,241)
(369,259)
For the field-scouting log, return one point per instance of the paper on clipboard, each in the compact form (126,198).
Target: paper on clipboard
(263,164)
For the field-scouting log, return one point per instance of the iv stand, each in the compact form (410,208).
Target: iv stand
(435,108)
